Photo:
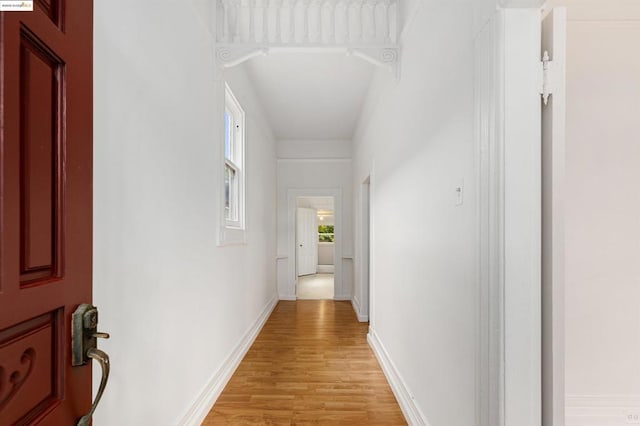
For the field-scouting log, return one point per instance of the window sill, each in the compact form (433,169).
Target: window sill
(232,236)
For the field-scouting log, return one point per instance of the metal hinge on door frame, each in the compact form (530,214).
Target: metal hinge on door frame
(548,86)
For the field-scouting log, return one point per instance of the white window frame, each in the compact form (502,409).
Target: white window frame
(233,228)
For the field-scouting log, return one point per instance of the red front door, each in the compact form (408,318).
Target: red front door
(45,208)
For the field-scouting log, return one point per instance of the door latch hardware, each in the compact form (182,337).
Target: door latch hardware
(547,77)
(84,348)
(84,334)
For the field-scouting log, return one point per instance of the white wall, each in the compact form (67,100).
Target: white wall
(321,149)
(325,253)
(311,177)
(176,305)
(484,10)
(416,139)
(602,207)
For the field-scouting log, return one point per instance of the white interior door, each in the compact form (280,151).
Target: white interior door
(554,40)
(307,241)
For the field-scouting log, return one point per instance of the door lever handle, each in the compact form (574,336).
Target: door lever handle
(105,365)
(84,348)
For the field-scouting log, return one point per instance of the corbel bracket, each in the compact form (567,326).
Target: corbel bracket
(386,57)
(228,56)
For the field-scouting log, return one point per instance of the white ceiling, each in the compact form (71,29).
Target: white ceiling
(311,96)
(325,204)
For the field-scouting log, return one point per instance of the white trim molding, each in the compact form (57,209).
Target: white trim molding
(214,387)
(526,4)
(230,56)
(602,410)
(289,275)
(411,411)
(288,298)
(355,303)
(521,130)
(314,160)
(508,138)
(325,269)
(367,29)
(340,298)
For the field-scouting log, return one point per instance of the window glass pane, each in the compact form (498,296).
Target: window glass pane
(326,234)
(227,135)
(230,193)
(227,188)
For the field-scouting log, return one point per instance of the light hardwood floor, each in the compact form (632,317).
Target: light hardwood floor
(315,287)
(310,365)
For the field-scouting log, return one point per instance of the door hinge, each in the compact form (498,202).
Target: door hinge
(547,87)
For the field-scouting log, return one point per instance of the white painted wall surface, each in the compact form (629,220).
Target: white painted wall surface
(408,10)
(204,10)
(320,149)
(484,10)
(313,175)
(325,253)
(602,208)
(416,139)
(176,305)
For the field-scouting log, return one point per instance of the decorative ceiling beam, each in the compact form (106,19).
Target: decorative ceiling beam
(367,29)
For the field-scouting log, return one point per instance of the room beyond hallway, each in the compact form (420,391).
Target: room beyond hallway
(310,364)
(315,287)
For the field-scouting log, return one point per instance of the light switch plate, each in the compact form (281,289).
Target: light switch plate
(460,193)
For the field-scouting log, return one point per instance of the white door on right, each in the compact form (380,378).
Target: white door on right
(554,53)
(307,241)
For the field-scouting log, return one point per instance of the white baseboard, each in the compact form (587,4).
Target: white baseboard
(289,298)
(218,381)
(356,307)
(325,269)
(411,412)
(342,298)
(602,410)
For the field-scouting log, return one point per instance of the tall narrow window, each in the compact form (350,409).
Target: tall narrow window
(233,162)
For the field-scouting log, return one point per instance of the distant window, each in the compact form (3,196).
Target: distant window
(326,234)
(234,173)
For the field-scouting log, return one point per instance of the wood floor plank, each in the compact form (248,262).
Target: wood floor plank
(310,365)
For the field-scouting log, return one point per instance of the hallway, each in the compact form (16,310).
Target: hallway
(315,287)
(425,211)
(310,364)
(409,115)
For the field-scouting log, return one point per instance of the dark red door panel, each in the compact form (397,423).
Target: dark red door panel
(45,208)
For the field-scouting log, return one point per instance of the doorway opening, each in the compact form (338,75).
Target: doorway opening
(315,248)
